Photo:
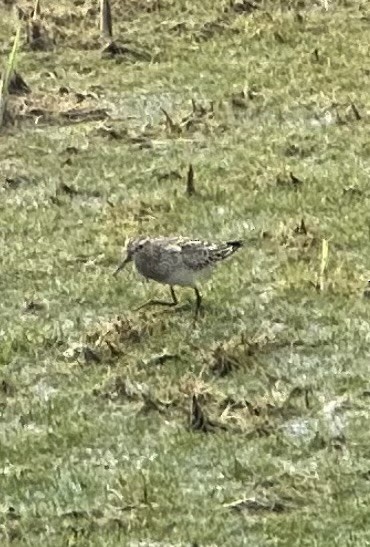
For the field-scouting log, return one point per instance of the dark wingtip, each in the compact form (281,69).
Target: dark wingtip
(236,244)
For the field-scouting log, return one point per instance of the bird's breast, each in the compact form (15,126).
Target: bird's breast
(187,278)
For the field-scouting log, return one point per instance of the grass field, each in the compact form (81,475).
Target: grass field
(140,428)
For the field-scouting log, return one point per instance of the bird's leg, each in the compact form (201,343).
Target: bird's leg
(198,303)
(161,302)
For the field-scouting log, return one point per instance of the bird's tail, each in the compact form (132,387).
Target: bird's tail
(225,250)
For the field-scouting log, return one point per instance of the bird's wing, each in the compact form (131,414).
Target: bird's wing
(197,254)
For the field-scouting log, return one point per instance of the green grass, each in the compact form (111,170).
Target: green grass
(96,445)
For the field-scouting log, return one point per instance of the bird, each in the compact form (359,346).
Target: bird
(176,261)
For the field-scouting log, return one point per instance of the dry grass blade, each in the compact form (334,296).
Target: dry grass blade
(323,264)
(254,505)
(36,10)
(17,85)
(106,25)
(36,35)
(190,188)
(7,75)
(356,112)
(198,420)
(170,124)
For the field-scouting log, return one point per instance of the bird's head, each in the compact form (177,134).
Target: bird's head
(134,245)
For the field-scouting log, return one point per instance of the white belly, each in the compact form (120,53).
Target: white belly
(187,278)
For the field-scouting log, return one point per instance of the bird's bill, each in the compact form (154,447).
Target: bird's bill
(122,265)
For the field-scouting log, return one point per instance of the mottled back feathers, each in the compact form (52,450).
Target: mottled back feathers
(177,260)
